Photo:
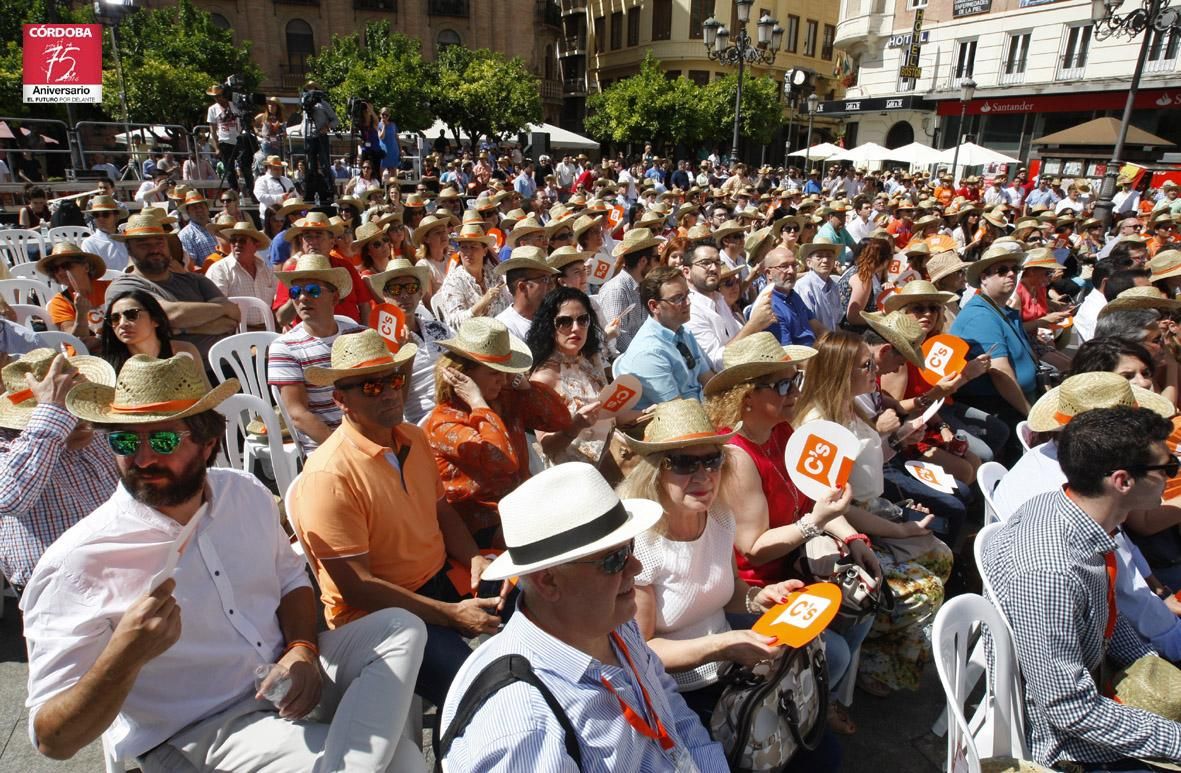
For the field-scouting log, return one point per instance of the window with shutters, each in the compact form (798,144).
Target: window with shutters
(1076,45)
(1162,50)
(830,34)
(1016,57)
(792,38)
(699,11)
(600,33)
(617,30)
(633,26)
(965,62)
(810,38)
(662,19)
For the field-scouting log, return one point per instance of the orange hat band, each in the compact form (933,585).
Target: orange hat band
(19,396)
(148,229)
(386,360)
(167,405)
(489,357)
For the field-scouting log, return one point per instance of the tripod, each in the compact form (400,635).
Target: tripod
(242,157)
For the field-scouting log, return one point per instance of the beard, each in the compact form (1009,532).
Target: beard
(168,489)
(154,263)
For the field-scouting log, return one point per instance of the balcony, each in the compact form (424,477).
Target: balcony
(1161,64)
(376,5)
(549,13)
(575,45)
(573,87)
(458,8)
(1008,79)
(551,90)
(570,7)
(864,22)
(292,77)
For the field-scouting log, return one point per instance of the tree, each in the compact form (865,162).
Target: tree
(387,71)
(647,107)
(762,108)
(484,94)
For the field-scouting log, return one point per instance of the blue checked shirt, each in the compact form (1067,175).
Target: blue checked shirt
(515,730)
(45,488)
(1048,572)
(197,242)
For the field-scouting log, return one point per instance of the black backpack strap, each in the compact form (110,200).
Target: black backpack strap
(496,675)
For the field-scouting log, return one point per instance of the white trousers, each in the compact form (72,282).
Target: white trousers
(369,668)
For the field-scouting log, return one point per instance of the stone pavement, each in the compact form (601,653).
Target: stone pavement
(893,737)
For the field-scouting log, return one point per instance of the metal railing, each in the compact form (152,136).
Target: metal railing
(448,8)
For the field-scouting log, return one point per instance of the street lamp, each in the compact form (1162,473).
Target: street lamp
(813,102)
(762,50)
(967,90)
(110,13)
(1144,16)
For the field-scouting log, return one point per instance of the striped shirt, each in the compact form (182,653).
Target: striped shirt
(1047,567)
(46,488)
(290,355)
(515,730)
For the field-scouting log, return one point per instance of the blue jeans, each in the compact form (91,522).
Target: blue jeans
(986,433)
(839,649)
(900,484)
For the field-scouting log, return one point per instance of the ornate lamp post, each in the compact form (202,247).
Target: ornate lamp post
(742,52)
(967,91)
(1139,18)
(813,101)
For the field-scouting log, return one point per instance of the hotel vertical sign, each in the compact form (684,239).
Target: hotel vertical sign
(911,67)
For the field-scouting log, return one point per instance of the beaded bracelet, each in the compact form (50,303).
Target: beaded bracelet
(302,643)
(751,606)
(859,538)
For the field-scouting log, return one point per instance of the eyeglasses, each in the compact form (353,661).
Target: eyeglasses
(690,360)
(375,387)
(409,288)
(784,386)
(164,441)
(1002,270)
(687,464)
(566,323)
(97,215)
(311,291)
(563,236)
(131,315)
(1171,468)
(924,308)
(239,239)
(680,299)
(707,263)
(731,282)
(545,279)
(613,562)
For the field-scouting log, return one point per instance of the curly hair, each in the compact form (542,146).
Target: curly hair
(871,255)
(679,244)
(725,409)
(543,330)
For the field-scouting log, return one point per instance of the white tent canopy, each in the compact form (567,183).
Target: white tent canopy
(863,154)
(916,153)
(972,154)
(558,137)
(818,152)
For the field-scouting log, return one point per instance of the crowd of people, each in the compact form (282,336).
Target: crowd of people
(571,581)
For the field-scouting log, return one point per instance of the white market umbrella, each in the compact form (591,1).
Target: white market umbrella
(916,153)
(819,152)
(863,154)
(972,154)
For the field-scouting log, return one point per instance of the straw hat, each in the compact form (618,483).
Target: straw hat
(105,204)
(512,217)
(221,222)
(1167,263)
(564,514)
(996,219)
(474,232)
(309,265)
(917,249)
(274,161)
(1151,686)
(700,233)
(368,233)
(1088,391)
(531,258)
(650,220)
(398,267)
(944,264)
(994,254)
(820,245)
(17,402)
(149,390)
(313,221)
(414,201)
(917,291)
(584,223)
(758,244)
(243,228)
(678,424)
(214,91)
(359,354)
(350,201)
(140,226)
(488,342)
(287,206)
(564,256)
(448,194)
(901,330)
(429,223)
(1141,298)
(635,240)
(524,227)
(753,357)
(777,226)
(379,216)
(95,266)
(727,228)
(927,220)
(1040,257)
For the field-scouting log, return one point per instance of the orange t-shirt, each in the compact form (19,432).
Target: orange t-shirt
(210,259)
(353,501)
(61,308)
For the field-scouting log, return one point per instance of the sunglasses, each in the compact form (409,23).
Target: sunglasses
(375,387)
(791,228)
(685,464)
(613,562)
(1170,468)
(924,308)
(565,323)
(239,239)
(562,236)
(1001,270)
(164,441)
(131,315)
(731,282)
(379,242)
(784,386)
(409,288)
(311,291)
(103,214)
(690,360)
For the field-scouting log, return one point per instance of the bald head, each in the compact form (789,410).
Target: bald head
(780,266)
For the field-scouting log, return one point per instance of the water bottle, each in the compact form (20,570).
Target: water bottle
(277,690)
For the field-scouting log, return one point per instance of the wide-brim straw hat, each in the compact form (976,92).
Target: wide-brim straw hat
(901,330)
(488,342)
(243,228)
(758,244)
(524,227)
(313,221)
(944,264)
(512,217)
(728,228)
(586,222)
(350,201)
(1167,263)
(653,221)
(309,265)
(564,514)
(995,219)
(158,214)
(140,226)
(191,198)
(105,204)
(95,265)
(927,220)
(564,256)
(359,354)
(398,267)
(288,206)
(414,201)
(274,160)
(1088,391)
(1040,257)
(428,223)
(1141,298)
(149,390)
(679,424)
(754,357)
(819,245)
(777,226)
(994,254)
(17,403)
(917,291)
(474,232)
(368,233)
(635,240)
(529,258)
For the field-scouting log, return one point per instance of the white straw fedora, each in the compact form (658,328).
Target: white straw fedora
(312,266)
(359,354)
(150,390)
(1088,391)
(394,269)
(17,403)
(753,357)
(900,330)
(563,514)
(679,424)
(488,342)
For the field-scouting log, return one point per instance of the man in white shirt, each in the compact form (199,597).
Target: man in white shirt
(566,171)
(104,611)
(710,321)
(226,122)
(1072,203)
(1087,315)
(860,223)
(244,272)
(816,287)
(273,187)
(528,277)
(155,190)
(106,214)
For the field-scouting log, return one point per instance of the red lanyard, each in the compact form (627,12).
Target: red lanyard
(1109,559)
(659,734)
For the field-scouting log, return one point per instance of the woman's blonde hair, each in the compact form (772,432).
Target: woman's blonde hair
(643,481)
(725,409)
(828,387)
(444,393)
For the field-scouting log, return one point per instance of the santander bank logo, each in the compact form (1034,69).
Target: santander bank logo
(1006,107)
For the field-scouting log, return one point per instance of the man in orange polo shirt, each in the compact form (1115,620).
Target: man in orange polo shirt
(369,509)
(77,309)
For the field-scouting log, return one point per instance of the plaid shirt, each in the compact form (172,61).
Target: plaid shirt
(46,488)
(198,242)
(1048,571)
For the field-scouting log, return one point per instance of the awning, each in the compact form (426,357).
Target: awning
(915,153)
(1101,132)
(558,137)
(818,152)
(972,154)
(862,154)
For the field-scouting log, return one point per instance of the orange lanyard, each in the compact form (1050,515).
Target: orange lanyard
(658,734)
(1109,559)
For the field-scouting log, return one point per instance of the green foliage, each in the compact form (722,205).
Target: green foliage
(387,71)
(484,93)
(762,109)
(158,92)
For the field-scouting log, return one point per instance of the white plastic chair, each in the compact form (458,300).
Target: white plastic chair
(248,303)
(28,271)
(1025,435)
(245,355)
(53,339)
(988,477)
(110,275)
(69,233)
(111,763)
(997,728)
(29,291)
(296,448)
(15,243)
(25,312)
(243,449)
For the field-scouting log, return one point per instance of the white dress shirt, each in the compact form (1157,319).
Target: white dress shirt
(228,585)
(859,229)
(113,253)
(1087,316)
(822,297)
(712,324)
(232,279)
(270,189)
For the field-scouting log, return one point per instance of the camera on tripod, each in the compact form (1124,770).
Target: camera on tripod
(234,90)
(358,109)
